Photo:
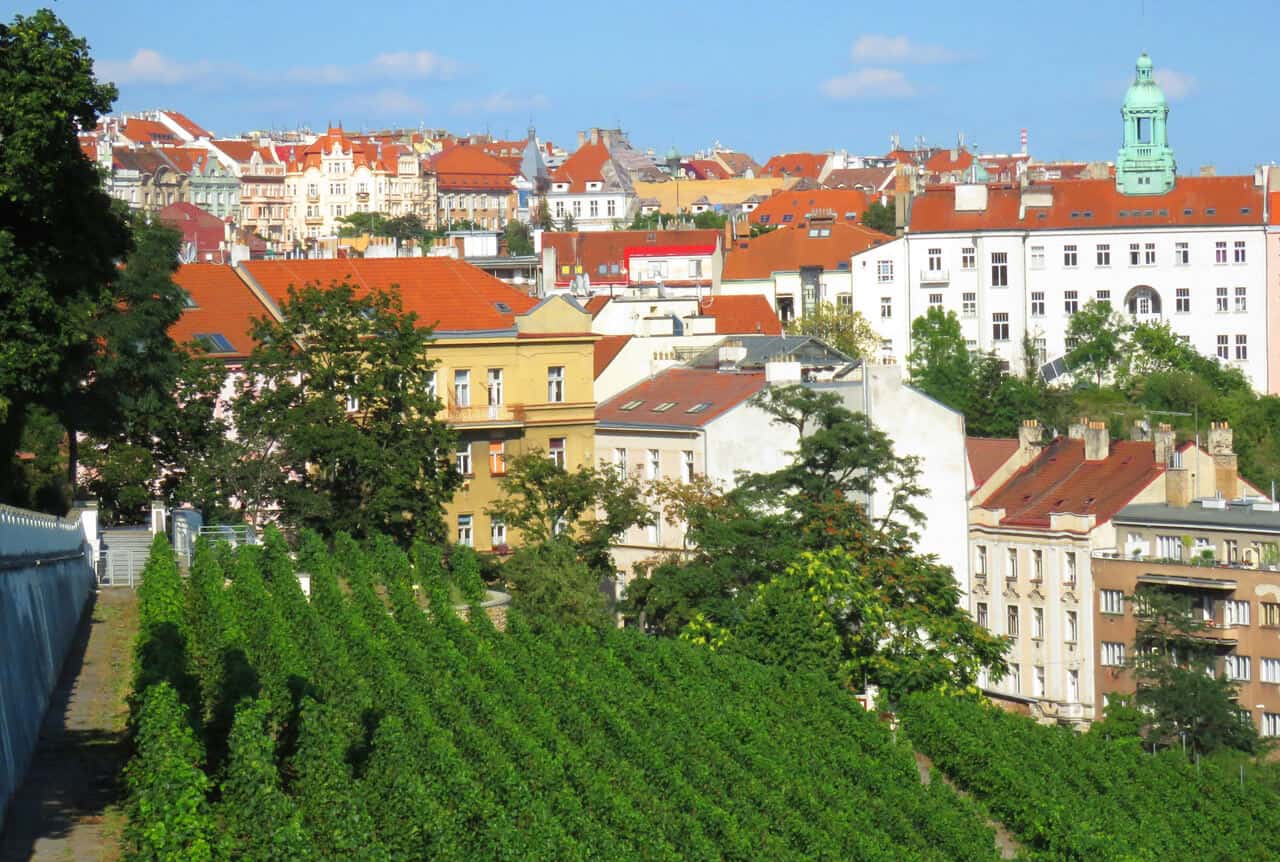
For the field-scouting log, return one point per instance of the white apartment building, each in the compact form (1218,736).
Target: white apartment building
(592,188)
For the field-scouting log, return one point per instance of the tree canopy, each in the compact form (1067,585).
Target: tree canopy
(881,217)
(843,328)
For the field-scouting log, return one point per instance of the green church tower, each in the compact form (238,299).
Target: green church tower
(1145,165)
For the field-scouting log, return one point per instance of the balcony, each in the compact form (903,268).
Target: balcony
(313,220)
(362,196)
(935,276)
(486,416)
(313,197)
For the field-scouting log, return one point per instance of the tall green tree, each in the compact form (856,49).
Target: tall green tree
(60,235)
(844,329)
(881,217)
(519,242)
(940,362)
(337,418)
(1101,339)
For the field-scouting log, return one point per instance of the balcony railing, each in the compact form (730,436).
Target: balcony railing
(935,276)
(313,220)
(485,414)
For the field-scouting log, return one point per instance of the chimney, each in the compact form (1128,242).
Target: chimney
(1141,431)
(1097,443)
(1177,485)
(1164,443)
(1226,479)
(1030,435)
(582,139)
(595,135)
(1075,431)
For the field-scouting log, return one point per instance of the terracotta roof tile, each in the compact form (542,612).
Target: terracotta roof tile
(607,350)
(747,314)
(224,305)
(987,455)
(449,294)
(789,249)
(787,207)
(470,168)
(586,165)
(186,124)
(942,161)
(205,230)
(684,389)
(149,132)
(592,250)
(875,179)
(596,304)
(707,169)
(794,165)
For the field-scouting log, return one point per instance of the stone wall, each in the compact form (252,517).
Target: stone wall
(46,577)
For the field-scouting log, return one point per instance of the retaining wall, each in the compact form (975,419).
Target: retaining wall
(46,578)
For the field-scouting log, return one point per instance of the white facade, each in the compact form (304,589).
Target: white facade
(593,209)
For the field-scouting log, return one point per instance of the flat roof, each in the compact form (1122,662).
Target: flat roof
(1235,515)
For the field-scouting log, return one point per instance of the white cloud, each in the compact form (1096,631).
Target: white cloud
(503,102)
(413,64)
(873,83)
(151,67)
(899,49)
(396,102)
(1176,85)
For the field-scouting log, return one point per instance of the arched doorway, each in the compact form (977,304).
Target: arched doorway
(1143,303)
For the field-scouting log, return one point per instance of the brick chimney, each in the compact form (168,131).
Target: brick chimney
(1030,435)
(1164,443)
(1097,442)
(1075,431)
(1226,477)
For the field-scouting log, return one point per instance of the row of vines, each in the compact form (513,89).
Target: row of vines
(370,722)
(1071,796)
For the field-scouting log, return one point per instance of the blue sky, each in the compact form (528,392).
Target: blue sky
(760,77)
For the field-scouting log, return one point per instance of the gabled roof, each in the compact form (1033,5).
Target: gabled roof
(596,304)
(707,169)
(586,165)
(873,179)
(469,168)
(1060,480)
(747,314)
(145,160)
(789,207)
(185,123)
(204,230)
(794,165)
(607,350)
(737,163)
(449,294)
(604,255)
(987,455)
(223,305)
(829,245)
(1094,204)
(683,398)
(149,132)
(946,161)
(760,350)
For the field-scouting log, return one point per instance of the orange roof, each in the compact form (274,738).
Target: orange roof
(602,255)
(683,390)
(748,314)
(875,179)
(607,349)
(1060,480)
(787,206)
(987,455)
(794,165)
(365,153)
(184,122)
(469,168)
(942,162)
(706,169)
(596,304)
(584,166)
(224,305)
(449,294)
(804,244)
(738,163)
(149,132)
(1093,204)
(1275,207)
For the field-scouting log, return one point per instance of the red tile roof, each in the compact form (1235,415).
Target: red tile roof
(596,304)
(738,163)
(706,169)
(1060,480)
(467,168)
(684,389)
(449,294)
(592,250)
(204,230)
(185,123)
(1094,203)
(794,165)
(586,165)
(364,153)
(607,349)
(748,314)
(847,204)
(1275,207)
(149,132)
(874,179)
(224,306)
(789,249)
(943,162)
(987,455)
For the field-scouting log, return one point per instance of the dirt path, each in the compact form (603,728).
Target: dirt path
(1005,842)
(69,806)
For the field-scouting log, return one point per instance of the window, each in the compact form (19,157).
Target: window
(1011,621)
(1000,326)
(1103,297)
(1235,612)
(1037,565)
(688,465)
(1112,601)
(495,387)
(611,207)
(654,529)
(1169,547)
(1011,564)
(577,209)
(980,563)
(462,388)
(1181,254)
(555,384)
(1271,724)
(1242,299)
(497,533)
(1069,257)
(1073,686)
(620,460)
(1104,254)
(884,271)
(1237,667)
(1073,627)
(559,209)
(1224,347)
(1037,623)
(1037,257)
(984,620)
(465,536)
(497,458)
(653,464)
(969,304)
(1269,614)
(1069,567)
(967,258)
(1182,300)
(593,208)
(1242,347)
(1219,252)
(1221,295)
(664,406)
(886,307)
(1037,303)
(1270,670)
(1149,254)
(556,451)
(1135,253)
(1112,654)
(935,260)
(1015,675)
(1039,681)
(462,459)
(695,269)
(999,269)
(935,300)
(1070,301)
(1238,251)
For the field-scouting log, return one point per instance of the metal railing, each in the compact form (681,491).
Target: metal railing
(122,567)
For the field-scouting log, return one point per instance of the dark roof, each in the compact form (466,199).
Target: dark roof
(679,398)
(1235,515)
(805,349)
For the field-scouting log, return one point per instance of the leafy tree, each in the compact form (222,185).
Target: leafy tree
(652,221)
(60,235)
(552,587)
(1101,336)
(709,220)
(39,479)
(541,217)
(568,223)
(337,418)
(940,363)
(762,229)
(361,223)
(519,242)
(844,329)
(881,217)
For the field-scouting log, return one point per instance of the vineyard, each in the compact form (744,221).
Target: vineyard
(369,722)
(1070,796)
